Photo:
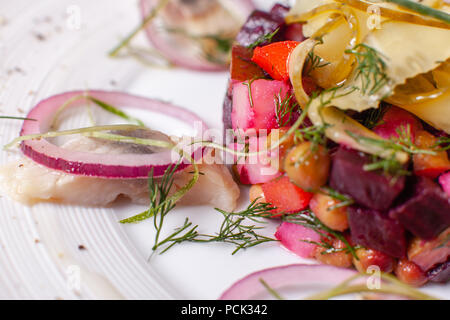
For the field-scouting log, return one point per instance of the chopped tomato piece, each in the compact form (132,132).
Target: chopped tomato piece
(426,165)
(274,58)
(286,196)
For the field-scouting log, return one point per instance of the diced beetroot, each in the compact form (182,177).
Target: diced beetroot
(444,180)
(294,237)
(427,254)
(372,189)
(242,68)
(259,24)
(286,196)
(441,273)
(397,119)
(426,213)
(294,32)
(255,107)
(279,11)
(227,108)
(375,230)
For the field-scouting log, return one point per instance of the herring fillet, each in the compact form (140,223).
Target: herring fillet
(28,182)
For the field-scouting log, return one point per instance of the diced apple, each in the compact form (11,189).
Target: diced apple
(427,165)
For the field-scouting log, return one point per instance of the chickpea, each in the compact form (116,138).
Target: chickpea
(308,166)
(370,257)
(410,273)
(256,193)
(336,218)
(338,259)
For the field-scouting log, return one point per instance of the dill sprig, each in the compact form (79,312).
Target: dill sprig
(315,134)
(285,108)
(155,11)
(308,219)
(344,200)
(402,143)
(266,38)
(370,67)
(233,230)
(109,108)
(442,144)
(313,61)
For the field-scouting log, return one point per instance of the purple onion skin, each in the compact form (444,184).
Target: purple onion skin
(426,212)
(371,189)
(374,229)
(260,23)
(440,274)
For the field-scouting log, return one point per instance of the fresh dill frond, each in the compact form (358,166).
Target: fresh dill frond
(313,61)
(234,229)
(315,134)
(266,38)
(370,68)
(343,199)
(442,144)
(111,109)
(308,219)
(285,108)
(402,143)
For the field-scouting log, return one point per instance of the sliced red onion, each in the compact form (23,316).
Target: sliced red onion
(93,164)
(177,55)
(293,276)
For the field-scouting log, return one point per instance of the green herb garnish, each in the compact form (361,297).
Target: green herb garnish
(285,108)
(268,37)
(233,230)
(371,68)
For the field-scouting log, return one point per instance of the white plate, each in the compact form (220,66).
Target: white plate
(52,251)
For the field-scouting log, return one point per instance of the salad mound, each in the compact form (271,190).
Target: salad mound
(346,108)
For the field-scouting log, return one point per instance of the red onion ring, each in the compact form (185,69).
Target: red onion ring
(177,56)
(122,166)
(293,275)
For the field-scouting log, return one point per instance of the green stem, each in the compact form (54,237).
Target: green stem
(53,134)
(161,4)
(422,9)
(16,118)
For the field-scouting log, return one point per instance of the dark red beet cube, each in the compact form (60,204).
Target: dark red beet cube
(375,230)
(426,212)
(441,273)
(258,24)
(372,189)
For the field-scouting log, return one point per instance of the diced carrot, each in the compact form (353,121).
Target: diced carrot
(274,58)
(286,196)
(427,165)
